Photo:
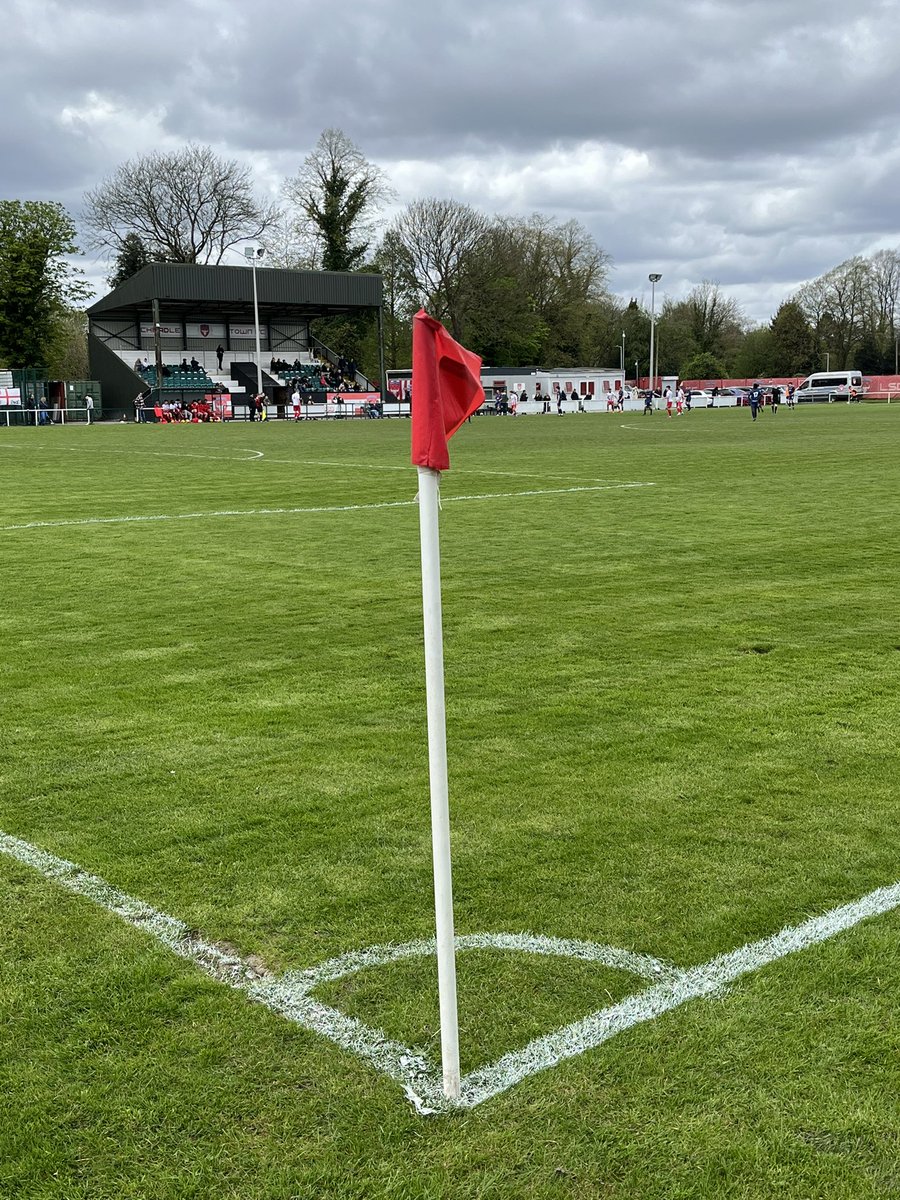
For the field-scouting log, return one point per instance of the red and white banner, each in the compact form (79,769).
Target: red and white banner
(10,396)
(221,405)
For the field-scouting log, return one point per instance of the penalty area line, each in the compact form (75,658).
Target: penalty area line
(322,508)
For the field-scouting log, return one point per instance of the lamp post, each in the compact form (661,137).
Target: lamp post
(827,361)
(896,340)
(253,255)
(622,358)
(654,280)
(636,372)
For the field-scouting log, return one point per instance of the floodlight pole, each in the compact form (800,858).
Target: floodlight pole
(253,255)
(654,280)
(157,351)
(622,358)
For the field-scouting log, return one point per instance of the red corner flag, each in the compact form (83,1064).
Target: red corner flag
(446,388)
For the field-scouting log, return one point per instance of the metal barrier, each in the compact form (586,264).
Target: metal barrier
(71,415)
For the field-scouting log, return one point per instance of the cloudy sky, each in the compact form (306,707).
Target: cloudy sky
(755,143)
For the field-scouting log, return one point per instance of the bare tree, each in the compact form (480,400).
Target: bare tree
(715,319)
(438,240)
(837,305)
(185,205)
(338,194)
(885,266)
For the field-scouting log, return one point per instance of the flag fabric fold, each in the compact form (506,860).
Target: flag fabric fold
(446,389)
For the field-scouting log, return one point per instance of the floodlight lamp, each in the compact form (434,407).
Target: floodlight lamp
(248,252)
(655,278)
(260,251)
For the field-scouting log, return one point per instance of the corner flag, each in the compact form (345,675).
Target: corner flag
(446,389)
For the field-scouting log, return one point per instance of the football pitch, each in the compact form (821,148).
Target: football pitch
(672,655)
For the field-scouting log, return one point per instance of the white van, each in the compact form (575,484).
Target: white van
(830,385)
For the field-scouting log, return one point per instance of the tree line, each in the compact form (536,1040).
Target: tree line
(519,291)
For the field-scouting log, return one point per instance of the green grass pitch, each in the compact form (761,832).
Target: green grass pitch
(672,727)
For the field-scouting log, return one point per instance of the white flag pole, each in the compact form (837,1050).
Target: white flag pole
(429,483)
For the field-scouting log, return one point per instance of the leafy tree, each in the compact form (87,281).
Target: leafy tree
(132,257)
(67,354)
(37,282)
(674,339)
(398,303)
(186,206)
(338,193)
(755,355)
(703,366)
(791,342)
(518,291)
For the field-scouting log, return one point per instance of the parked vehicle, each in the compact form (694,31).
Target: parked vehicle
(702,398)
(731,397)
(830,385)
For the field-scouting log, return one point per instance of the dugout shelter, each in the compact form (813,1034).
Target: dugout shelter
(168,312)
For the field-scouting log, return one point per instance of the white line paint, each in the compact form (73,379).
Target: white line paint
(324,508)
(301,462)
(291,994)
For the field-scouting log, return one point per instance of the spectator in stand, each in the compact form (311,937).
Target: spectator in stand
(220,354)
(195,366)
(138,365)
(183,365)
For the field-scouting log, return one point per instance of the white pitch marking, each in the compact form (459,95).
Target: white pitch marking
(290,994)
(305,462)
(259,512)
(140,453)
(323,462)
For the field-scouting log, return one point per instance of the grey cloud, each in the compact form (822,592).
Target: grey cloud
(769,126)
